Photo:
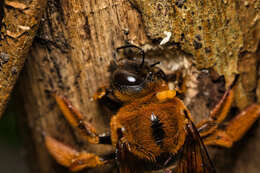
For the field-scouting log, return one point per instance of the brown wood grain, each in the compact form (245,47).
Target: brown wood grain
(19,23)
(70,56)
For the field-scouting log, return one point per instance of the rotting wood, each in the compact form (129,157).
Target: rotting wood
(70,55)
(18,27)
(214,32)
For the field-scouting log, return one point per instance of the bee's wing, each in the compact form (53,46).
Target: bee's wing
(194,157)
(125,160)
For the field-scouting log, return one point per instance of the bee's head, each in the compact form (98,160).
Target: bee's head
(133,78)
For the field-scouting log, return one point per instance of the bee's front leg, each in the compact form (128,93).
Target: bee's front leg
(106,99)
(179,80)
(76,120)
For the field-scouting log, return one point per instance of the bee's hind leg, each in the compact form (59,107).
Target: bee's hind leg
(217,115)
(70,157)
(234,129)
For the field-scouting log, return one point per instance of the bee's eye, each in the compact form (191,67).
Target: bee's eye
(131,79)
(126,78)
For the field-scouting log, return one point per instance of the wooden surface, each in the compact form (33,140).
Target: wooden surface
(70,56)
(19,23)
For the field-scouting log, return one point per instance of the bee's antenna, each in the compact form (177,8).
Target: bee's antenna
(235,81)
(114,56)
(154,64)
(143,56)
(130,45)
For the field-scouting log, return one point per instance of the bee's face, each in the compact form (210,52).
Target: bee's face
(135,79)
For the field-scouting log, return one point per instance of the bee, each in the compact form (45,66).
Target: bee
(151,127)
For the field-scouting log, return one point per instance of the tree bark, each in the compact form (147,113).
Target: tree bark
(19,23)
(70,56)
(75,45)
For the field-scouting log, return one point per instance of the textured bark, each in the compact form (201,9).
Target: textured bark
(70,56)
(19,23)
(75,45)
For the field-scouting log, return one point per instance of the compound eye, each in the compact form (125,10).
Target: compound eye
(131,79)
(126,78)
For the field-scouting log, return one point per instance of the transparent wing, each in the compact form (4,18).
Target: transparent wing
(127,163)
(194,157)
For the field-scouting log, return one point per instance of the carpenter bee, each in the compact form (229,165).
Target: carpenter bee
(151,127)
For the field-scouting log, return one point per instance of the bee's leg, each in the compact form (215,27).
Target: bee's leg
(75,118)
(106,99)
(235,129)
(180,81)
(70,157)
(219,113)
